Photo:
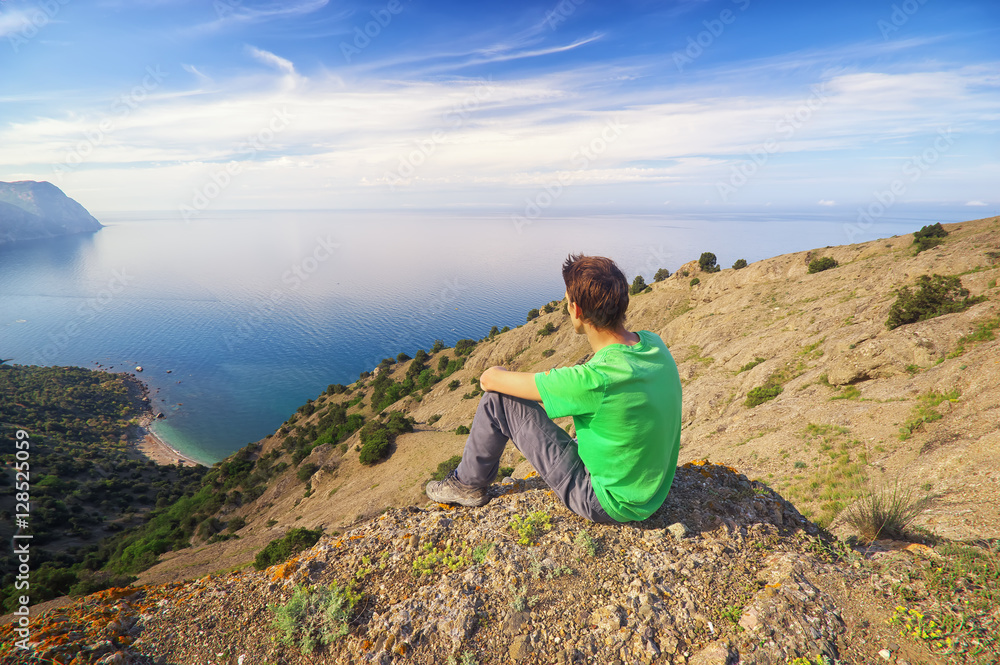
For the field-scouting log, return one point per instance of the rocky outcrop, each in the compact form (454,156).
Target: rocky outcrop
(31,210)
(725,571)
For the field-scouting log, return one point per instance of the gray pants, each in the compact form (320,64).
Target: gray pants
(547,446)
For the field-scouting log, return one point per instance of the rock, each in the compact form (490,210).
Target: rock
(716,653)
(138,368)
(607,618)
(520,648)
(885,654)
(678,530)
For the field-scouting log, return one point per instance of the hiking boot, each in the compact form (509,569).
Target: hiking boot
(452,490)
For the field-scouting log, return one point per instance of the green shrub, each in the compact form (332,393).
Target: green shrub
(638,285)
(402,357)
(762,394)
(235,524)
(661,275)
(740,264)
(928,236)
(377,437)
(750,365)
(290,544)
(306,471)
(547,330)
(694,281)
(935,295)
(433,419)
(821,264)
(464,346)
(453,384)
(548,352)
(461,429)
(446,467)
(532,314)
(708,262)
(315,616)
(438,345)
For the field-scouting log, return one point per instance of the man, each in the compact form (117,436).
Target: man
(625,402)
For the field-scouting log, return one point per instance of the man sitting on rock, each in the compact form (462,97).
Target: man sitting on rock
(625,402)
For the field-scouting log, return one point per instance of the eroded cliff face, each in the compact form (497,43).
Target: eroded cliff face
(30,210)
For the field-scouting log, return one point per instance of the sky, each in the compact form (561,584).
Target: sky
(521,108)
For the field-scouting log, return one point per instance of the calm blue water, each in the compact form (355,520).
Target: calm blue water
(254,313)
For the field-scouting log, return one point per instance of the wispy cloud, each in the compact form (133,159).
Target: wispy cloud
(235,12)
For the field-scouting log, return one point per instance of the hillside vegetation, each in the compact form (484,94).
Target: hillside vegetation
(797,386)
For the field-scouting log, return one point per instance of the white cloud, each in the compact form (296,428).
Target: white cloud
(502,136)
(13,22)
(268,58)
(976,203)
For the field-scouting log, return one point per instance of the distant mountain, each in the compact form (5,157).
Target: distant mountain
(30,210)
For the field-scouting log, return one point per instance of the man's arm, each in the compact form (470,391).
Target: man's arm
(515,384)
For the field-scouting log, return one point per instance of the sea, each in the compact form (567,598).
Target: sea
(237,318)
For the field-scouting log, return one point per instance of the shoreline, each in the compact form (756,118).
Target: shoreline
(149,445)
(145,442)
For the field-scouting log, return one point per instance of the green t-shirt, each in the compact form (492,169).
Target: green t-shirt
(626,406)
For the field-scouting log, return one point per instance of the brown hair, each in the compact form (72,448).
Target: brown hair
(599,287)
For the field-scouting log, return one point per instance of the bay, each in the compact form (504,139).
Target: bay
(237,318)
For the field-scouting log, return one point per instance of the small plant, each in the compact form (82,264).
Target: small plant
(740,264)
(548,352)
(884,513)
(820,659)
(733,613)
(547,330)
(504,472)
(750,365)
(480,551)
(762,394)
(522,601)
(800,464)
(446,467)
(935,295)
(453,384)
(849,392)
(821,264)
(983,333)
(928,236)
(527,529)
(914,624)
(586,543)
(532,314)
(694,281)
(280,549)
(926,412)
(661,275)
(315,616)
(433,419)
(435,557)
(461,429)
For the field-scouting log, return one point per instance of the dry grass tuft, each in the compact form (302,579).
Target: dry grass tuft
(885,512)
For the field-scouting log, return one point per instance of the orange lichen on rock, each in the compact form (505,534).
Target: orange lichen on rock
(283,571)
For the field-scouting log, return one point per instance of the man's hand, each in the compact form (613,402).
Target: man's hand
(515,384)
